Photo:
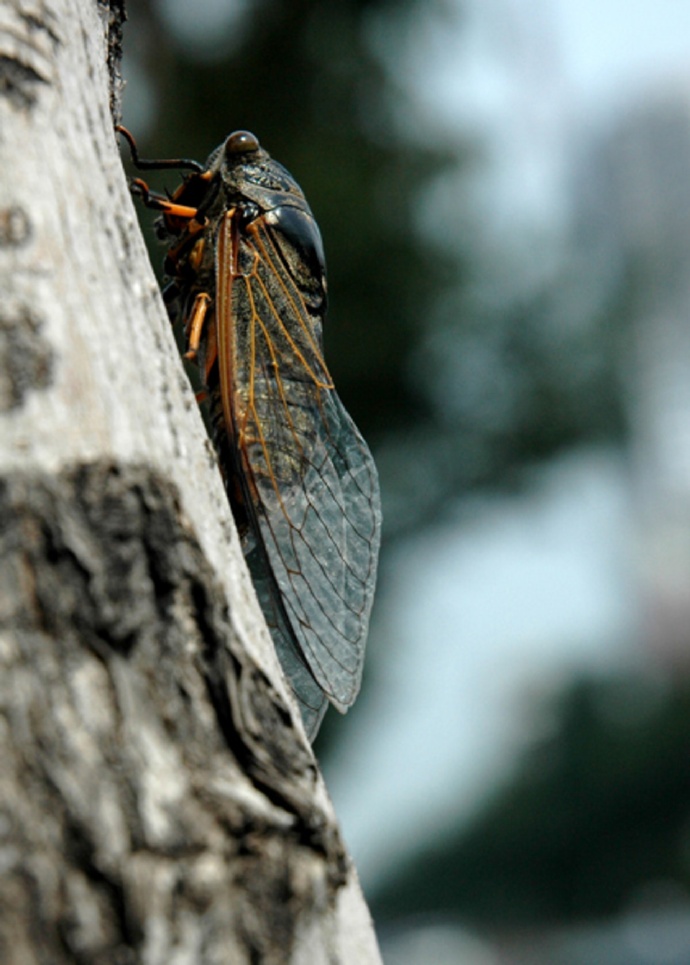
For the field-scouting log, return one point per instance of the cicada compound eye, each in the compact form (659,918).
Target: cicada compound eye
(241,142)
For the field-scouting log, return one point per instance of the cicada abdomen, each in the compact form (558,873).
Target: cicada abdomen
(247,281)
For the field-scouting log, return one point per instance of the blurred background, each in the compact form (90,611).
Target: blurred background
(503,187)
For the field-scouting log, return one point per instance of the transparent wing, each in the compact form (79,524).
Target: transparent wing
(310,697)
(320,535)
(309,480)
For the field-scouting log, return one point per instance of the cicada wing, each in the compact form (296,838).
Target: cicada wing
(321,540)
(308,478)
(310,697)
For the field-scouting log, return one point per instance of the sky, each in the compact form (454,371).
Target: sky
(497,609)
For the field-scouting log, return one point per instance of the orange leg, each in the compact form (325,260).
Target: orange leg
(159,203)
(195,325)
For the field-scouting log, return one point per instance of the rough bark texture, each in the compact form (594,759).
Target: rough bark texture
(158,800)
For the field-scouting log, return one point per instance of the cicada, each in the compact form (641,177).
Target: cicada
(247,282)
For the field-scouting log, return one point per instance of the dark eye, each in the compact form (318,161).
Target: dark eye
(241,142)
(298,240)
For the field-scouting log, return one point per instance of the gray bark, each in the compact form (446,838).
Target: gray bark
(159,802)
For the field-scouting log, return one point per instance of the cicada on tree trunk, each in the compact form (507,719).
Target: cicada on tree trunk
(247,281)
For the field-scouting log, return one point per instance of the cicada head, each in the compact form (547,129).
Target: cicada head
(261,188)
(248,171)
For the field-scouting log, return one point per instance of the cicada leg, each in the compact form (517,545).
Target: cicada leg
(174,254)
(195,324)
(160,203)
(157,164)
(194,331)
(169,206)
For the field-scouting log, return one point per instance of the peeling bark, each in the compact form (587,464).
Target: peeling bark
(158,799)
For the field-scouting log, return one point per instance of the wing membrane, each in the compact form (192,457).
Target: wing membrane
(309,480)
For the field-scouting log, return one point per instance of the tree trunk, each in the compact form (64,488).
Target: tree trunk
(159,801)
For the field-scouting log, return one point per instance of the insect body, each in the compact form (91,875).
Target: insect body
(247,280)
